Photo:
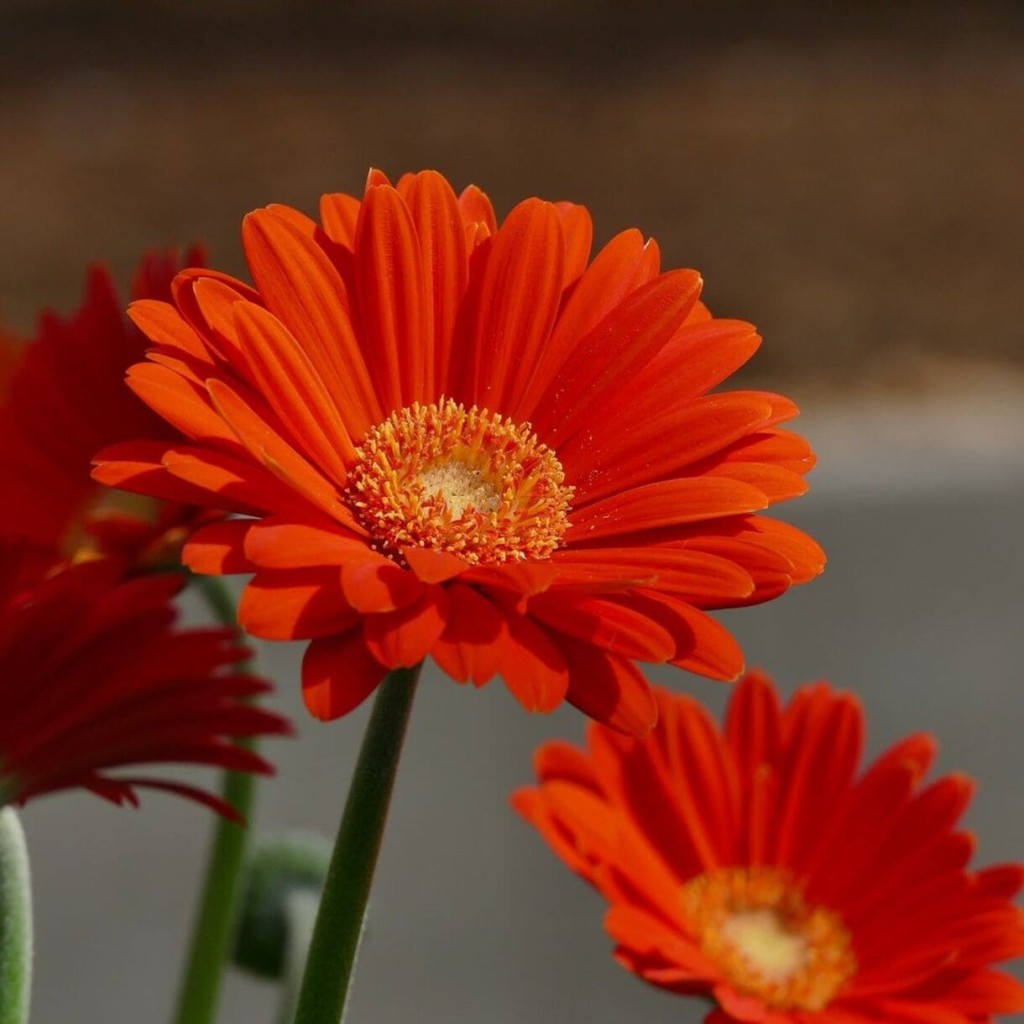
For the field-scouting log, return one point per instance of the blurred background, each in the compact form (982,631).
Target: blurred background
(848,177)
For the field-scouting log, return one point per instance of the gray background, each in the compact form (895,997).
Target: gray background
(473,919)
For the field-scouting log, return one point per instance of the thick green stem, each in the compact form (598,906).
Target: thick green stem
(214,927)
(339,923)
(15,921)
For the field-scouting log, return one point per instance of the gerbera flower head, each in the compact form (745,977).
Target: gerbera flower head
(756,866)
(94,677)
(474,442)
(62,398)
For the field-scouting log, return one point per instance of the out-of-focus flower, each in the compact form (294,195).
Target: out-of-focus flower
(10,352)
(756,866)
(62,398)
(95,678)
(473,443)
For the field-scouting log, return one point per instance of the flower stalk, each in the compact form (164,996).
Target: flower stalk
(15,921)
(216,919)
(339,924)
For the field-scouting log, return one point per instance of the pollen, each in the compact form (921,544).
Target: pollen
(464,481)
(758,928)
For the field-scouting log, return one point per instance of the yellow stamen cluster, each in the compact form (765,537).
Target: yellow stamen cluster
(756,926)
(460,480)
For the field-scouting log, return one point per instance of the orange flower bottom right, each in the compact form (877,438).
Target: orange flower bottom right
(756,864)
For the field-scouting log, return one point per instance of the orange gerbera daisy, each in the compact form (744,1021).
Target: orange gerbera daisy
(62,398)
(755,867)
(473,443)
(94,677)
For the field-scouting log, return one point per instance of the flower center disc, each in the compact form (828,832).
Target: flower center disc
(755,924)
(468,482)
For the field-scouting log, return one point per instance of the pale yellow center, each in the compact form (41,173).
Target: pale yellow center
(756,926)
(463,488)
(465,481)
(762,938)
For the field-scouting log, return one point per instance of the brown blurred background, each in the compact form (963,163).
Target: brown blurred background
(847,177)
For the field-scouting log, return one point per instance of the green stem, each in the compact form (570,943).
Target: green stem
(214,927)
(15,921)
(339,923)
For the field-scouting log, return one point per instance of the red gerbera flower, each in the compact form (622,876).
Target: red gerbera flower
(755,867)
(473,443)
(94,677)
(63,399)
(10,351)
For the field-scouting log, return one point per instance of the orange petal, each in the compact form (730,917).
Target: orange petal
(288,380)
(339,213)
(283,544)
(218,548)
(338,674)
(698,358)
(578,231)
(657,442)
(665,503)
(164,325)
(610,689)
(476,208)
(403,638)
(297,604)
(445,262)
(135,466)
(613,352)
(520,292)
(267,446)
(434,566)
(180,402)
(516,577)
(390,288)
(300,284)
(235,483)
(680,571)
(532,666)
(606,624)
(471,644)
(379,586)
